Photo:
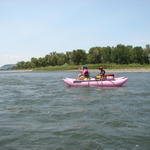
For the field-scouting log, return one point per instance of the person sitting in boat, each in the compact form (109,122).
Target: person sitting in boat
(102,71)
(101,74)
(84,75)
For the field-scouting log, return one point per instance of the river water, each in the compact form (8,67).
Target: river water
(39,112)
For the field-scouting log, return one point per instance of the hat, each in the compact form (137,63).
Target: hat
(100,68)
(85,67)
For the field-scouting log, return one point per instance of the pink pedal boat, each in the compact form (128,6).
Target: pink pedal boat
(116,82)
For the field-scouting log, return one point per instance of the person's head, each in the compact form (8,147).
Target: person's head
(85,67)
(100,68)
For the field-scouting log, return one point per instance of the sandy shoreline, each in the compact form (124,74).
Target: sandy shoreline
(118,70)
(127,70)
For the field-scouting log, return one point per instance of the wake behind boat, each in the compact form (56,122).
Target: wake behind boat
(115,82)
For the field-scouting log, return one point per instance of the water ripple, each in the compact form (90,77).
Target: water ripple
(38,111)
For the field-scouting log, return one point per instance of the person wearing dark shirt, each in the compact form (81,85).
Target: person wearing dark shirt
(102,71)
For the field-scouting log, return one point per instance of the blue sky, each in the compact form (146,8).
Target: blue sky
(34,28)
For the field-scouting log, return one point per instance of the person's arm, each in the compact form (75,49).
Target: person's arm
(104,72)
(100,72)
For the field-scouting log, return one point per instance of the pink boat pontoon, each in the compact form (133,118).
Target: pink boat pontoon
(115,82)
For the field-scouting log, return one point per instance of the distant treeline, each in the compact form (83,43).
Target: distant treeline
(120,54)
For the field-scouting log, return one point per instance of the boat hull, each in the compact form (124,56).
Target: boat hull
(99,83)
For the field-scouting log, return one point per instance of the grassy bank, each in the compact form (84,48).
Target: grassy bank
(93,66)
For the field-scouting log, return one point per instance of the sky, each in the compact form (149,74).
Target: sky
(34,28)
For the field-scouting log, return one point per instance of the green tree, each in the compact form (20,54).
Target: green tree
(95,55)
(20,65)
(68,58)
(106,54)
(78,56)
(35,62)
(61,58)
(120,54)
(146,54)
(137,55)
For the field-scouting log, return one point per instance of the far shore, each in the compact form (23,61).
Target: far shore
(76,70)
(23,70)
(124,70)
(116,70)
